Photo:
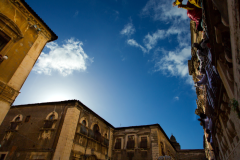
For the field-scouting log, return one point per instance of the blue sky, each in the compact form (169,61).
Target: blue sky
(125,60)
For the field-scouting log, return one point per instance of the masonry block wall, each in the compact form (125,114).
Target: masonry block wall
(25,35)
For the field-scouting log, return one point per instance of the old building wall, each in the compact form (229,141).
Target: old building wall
(165,146)
(25,36)
(66,138)
(134,149)
(34,134)
(86,141)
(221,23)
(189,154)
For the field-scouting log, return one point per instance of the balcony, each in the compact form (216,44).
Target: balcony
(88,133)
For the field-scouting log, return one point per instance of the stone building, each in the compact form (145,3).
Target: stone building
(23,35)
(218,98)
(70,130)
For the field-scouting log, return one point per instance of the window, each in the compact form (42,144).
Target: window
(52,117)
(84,123)
(2,156)
(143,143)
(162,149)
(15,123)
(105,135)
(118,143)
(49,122)
(83,128)
(131,142)
(97,134)
(17,119)
(27,118)
(95,128)
(3,40)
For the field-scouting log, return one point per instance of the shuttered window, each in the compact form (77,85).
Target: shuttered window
(130,142)
(143,143)
(118,143)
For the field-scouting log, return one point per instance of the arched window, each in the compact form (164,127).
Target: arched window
(96,132)
(162,148)
(96,128)
(17,119)
(105,135)
(83,128)
(49,122)
(52,117)
(15,123)
(84,123)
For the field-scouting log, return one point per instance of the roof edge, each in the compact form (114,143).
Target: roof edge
(54,36)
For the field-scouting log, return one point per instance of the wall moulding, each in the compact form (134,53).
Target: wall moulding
(7,93)
(32,20)
(10,28)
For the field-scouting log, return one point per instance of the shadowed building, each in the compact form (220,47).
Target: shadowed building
(23,35)
(70,130)
(219,96)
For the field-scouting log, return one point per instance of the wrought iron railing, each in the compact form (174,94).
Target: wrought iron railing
(96,136)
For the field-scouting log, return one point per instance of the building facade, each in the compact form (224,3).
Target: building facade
(218,96)
(70,130)
(23,35)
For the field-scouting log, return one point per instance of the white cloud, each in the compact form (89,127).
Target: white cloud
(65,59)
(128,29)
(151,40)
(163,10)
(176,98)
(183,36)
(132,42)
(174,63)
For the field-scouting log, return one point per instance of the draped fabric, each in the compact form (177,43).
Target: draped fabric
(195,14)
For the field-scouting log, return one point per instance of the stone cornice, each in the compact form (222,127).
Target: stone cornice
(7,93)
(33,21)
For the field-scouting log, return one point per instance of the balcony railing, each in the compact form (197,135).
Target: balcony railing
(96,136)
(83,130)
(48,124)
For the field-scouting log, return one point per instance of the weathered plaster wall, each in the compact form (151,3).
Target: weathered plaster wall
(27,37)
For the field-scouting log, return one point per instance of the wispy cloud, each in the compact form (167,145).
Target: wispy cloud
(183,36)
(132,42)
(76,13)
(163,10)
(174,63)
(176,98)
(128,29)
(151,40)
(65,59)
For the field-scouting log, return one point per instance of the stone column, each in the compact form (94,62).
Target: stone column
(154,142)
(65,141)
